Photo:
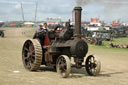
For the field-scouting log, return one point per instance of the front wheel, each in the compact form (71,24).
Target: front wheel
(93,65)
(63,66)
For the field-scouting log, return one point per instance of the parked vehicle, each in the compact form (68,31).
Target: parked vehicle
(1,33)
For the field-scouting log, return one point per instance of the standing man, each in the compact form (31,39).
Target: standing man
(45,27)
(41,34)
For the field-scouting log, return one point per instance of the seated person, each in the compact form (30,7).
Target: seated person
(44,28)
(41,32)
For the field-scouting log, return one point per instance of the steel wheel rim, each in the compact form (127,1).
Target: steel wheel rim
(93,66)
(63,66)
(29,54)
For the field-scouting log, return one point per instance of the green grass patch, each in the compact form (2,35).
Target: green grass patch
(116,41)
(108,47)
(120,40)
(104,47)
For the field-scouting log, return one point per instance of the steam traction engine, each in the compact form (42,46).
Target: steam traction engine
(58,48)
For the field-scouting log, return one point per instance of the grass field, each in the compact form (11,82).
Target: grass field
(121,40)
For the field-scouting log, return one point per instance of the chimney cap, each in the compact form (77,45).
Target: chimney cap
(78,8)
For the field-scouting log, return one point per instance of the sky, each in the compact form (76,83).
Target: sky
(107,10)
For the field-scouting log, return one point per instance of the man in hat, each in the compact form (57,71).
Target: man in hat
(43,28)
(41,32)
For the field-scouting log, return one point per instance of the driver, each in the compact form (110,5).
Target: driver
(40,35)
(41,32)
(44,28)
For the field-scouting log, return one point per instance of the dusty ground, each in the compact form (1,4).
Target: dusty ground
(114,65)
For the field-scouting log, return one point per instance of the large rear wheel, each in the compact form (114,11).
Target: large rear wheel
(32,55)
(63,66)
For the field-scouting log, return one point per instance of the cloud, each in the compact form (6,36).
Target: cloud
(16,2)
(111,9)
(105,9)
(8,2)
(17,6)
(46,8)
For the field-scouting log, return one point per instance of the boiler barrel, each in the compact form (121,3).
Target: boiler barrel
(78,48)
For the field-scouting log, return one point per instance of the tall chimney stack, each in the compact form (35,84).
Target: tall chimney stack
(78,20)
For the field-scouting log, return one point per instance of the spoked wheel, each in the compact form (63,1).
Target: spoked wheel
(93,65)
(63,66)
(32,55)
